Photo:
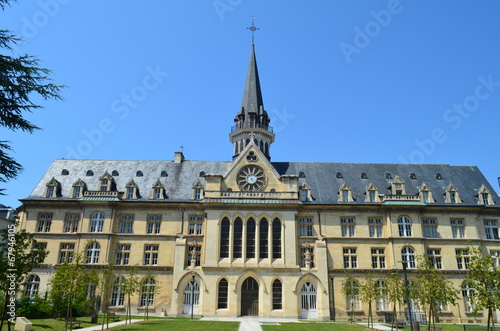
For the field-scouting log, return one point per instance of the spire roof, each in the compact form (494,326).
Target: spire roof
(252,96)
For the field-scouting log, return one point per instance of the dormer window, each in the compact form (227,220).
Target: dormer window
(398,187)
(197,193)
(53,189)
(426,194)
(106,183)
(345,194)
(139,174)
(305,193)
(78,189)
(339,175)
(64,172)
(115,173)
(364,176)
(484,196)
(371,193)
(157,191)
(103,186)
(163,174)
(89,173)
(131,190)
(452,195)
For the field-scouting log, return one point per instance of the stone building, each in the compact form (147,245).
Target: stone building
(255,237)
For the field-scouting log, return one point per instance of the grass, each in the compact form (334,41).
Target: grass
(176,324)
(54,324)
(337,326)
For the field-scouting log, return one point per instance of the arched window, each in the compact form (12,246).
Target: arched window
(277,295)
(276,239)
(31,287)
(224,238)
(353,296)
(92,254)
(381,302)
(222,294)
(97,222)
(118,293)
(264,239)
(408,255)
(147,293)
(238,238)
(250,239)
(404,226)
(91,288)
(468,297)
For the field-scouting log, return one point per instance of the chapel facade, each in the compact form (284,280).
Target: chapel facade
(252,237)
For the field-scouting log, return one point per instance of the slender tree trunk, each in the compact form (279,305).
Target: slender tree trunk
(393,316)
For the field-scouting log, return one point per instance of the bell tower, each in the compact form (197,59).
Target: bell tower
(251,121)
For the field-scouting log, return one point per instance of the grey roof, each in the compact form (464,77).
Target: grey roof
(321,177)
(252,96)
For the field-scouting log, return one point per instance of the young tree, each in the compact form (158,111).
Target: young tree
(432,289)
(19,254)
(368,292)
(484,278)
(106,279)
(132,285)
(21,79)
(350,289)
(150,287)
(67,284)
(395,293)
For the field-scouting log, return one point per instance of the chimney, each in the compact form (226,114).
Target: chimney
(178,157)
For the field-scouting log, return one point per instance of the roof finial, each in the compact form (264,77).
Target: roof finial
(253,28)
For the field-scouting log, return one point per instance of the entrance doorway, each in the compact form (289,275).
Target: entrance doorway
(191,298)
(250,297)
(308,301)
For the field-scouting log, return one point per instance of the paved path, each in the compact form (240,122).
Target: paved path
(378,326)
(99,327)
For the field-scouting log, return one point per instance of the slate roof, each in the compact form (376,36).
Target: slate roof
(321,177)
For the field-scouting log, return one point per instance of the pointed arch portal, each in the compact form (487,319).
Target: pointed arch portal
(250,297)
(191,298)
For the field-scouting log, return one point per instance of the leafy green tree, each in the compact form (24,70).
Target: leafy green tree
(67,284)
(432,289)
(350,289)
(395,292)
(132,285)
(484,278)
(368,292)
(19,254)
(21,79)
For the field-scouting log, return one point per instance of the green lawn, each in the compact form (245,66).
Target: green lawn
(53,324)
(178,324)
(337,326)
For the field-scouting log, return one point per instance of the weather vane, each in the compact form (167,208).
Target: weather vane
(253,28)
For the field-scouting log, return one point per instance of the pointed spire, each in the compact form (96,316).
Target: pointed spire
(252,96)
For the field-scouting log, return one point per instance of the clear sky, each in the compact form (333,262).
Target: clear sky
(343,81)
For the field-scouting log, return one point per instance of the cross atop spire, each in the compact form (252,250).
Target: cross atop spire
(253,28)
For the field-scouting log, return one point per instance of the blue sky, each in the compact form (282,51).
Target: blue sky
(343,81)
